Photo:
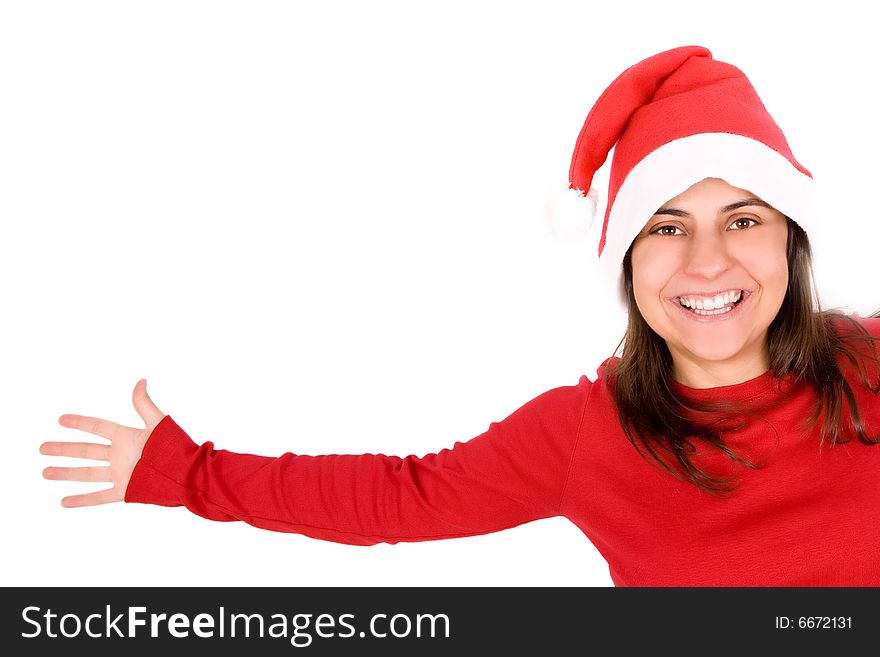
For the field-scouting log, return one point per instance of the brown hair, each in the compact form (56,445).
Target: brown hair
(804,343)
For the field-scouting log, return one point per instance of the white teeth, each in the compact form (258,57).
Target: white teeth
(720,311)
(711,304)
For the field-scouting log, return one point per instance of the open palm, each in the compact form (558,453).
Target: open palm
(123,452)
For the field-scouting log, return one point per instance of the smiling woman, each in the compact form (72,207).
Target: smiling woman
(728,366)
(722,296)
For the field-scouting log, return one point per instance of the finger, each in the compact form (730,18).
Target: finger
(145,406)
(77,450)
(104,428)
(91,499)
(78,474)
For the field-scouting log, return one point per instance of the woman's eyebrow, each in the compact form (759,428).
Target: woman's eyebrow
(736,205)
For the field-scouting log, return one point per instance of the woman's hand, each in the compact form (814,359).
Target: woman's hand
(123,452)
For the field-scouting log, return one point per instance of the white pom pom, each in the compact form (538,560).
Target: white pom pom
(570,213)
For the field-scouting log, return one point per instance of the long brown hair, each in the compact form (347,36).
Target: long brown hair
(805,342)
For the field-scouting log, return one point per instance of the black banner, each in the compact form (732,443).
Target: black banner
(429,621)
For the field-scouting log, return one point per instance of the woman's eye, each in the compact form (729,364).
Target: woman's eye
(665,230)
(743,220)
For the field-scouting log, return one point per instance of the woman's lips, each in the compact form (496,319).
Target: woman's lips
(736,311)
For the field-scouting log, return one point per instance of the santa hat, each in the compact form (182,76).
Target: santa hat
(673,120)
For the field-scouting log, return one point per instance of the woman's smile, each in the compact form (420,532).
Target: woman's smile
(726,306)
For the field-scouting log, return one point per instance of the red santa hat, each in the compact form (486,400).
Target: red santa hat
(673,120)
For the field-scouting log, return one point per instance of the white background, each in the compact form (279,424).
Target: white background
(319,228)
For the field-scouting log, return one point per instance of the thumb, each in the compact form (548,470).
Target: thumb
(145,406)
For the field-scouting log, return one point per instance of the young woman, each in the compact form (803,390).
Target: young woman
(732,443)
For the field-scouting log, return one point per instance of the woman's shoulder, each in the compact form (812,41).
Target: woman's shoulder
(858,350)
(871,324)
(854,324)
(602,371)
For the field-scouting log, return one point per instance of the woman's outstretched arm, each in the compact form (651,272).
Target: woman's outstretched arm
(513,473)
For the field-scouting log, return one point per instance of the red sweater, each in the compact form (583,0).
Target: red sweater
(808,518)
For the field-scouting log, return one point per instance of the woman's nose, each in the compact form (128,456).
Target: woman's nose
(707,256)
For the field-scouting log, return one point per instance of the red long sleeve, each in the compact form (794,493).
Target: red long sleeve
(513,473)
(808,516)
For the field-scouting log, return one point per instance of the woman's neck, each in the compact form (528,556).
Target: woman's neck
(695,373)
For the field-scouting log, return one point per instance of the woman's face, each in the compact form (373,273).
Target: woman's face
(709,275)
